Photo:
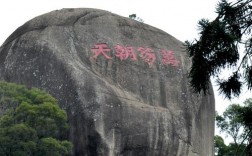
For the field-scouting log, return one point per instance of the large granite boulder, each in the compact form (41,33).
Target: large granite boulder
(123,83)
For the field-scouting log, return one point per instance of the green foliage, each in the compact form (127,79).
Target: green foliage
(218,48)
(231,122)
(52,147)
(246,118)
(219,146)
(18,139)
(221,149)
(32,123)
(236,122)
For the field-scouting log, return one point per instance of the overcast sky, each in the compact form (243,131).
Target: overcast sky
(177,17)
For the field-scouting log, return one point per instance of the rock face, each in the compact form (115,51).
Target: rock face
(123,83)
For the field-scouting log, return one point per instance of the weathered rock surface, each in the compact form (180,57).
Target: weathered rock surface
(116,107)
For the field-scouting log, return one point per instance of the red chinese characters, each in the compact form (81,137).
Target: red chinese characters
(147,54)
(101,48)
(125,52)
(168,58)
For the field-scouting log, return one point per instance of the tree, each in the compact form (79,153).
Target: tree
(31,123)
(219,146)
(246,118)
(218,48)
(231,123)
(236,123)
(221,149)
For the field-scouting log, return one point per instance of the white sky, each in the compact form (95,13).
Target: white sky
(177,17)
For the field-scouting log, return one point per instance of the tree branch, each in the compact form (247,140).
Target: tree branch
(242,142)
